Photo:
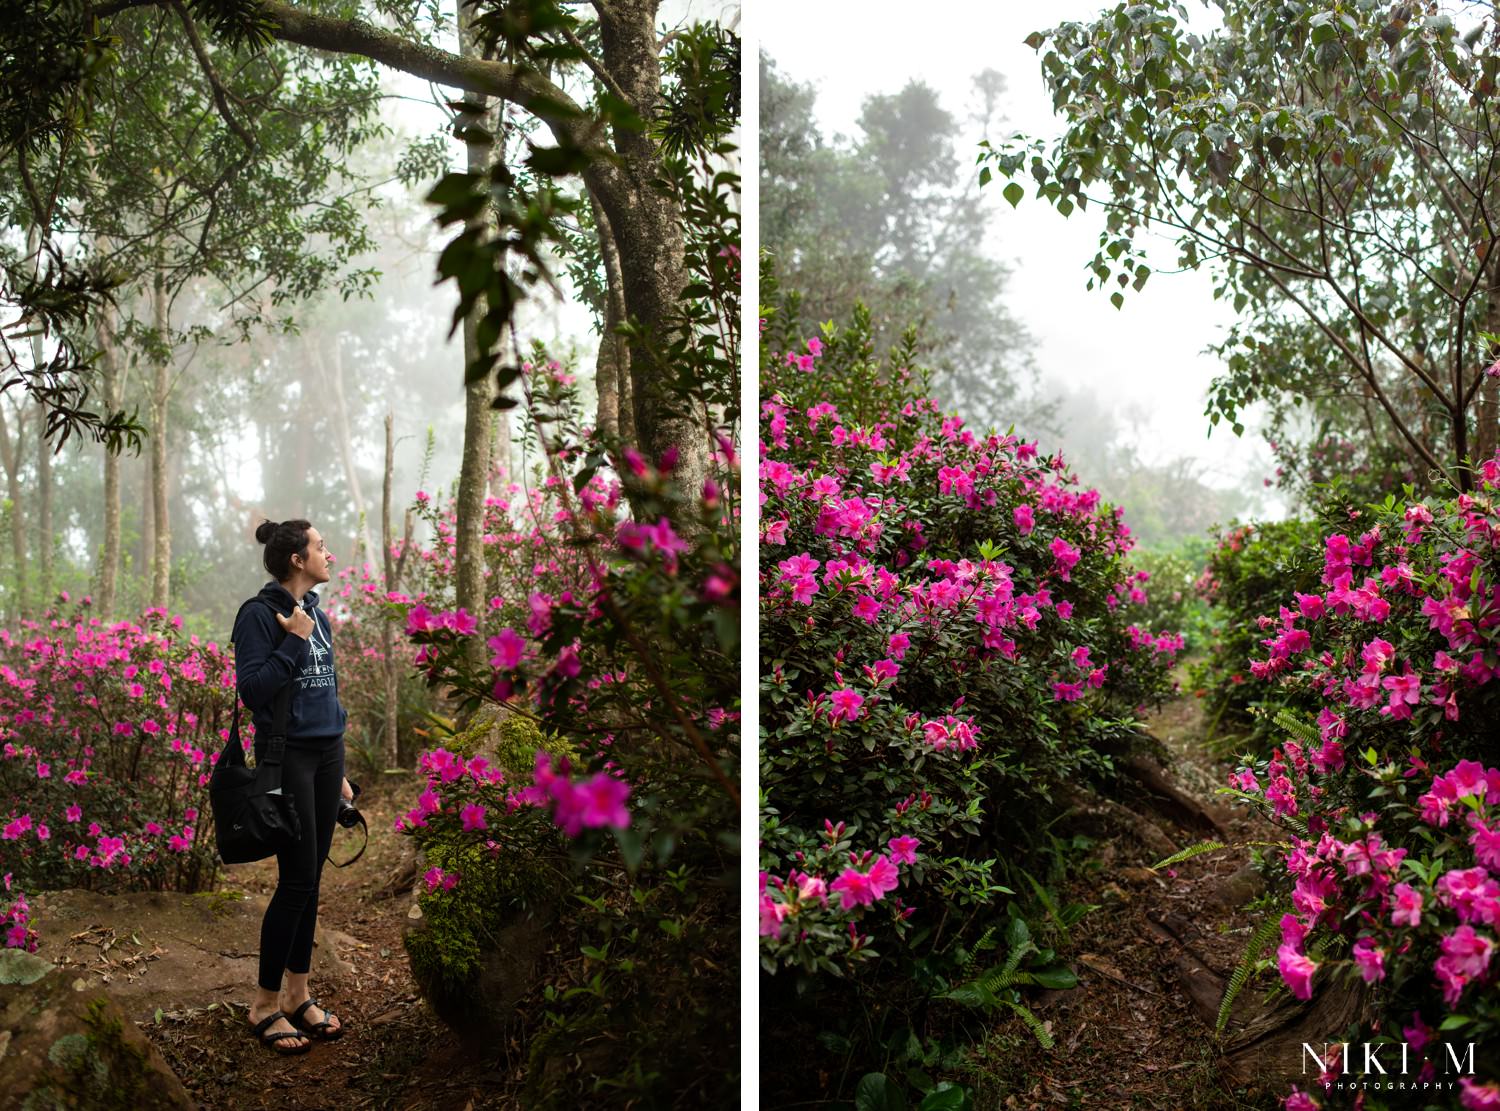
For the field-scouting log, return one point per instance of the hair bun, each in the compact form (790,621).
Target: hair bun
(264,531)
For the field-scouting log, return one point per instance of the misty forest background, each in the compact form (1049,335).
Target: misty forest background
(262,396)
(893,216)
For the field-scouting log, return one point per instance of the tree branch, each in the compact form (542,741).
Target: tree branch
(220,93)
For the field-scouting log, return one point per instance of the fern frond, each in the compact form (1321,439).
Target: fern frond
(1188,853)
(1303,731)
(1034,1024)
(1259,941)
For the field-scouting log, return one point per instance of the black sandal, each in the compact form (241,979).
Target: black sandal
(323,1031)
(270,1040)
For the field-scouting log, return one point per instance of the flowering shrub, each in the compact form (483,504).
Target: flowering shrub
(1252,567)
(1391,793)
(110,733)
(358,603)
(947,638)
(14,923)
(1171,585)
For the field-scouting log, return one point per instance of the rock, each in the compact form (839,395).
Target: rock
(509,967)
(18,967)
(60,1048)
(1236,890)
(152,949)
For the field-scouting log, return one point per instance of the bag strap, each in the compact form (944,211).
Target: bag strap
(276,738)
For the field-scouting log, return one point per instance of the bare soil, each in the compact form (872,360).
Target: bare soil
(1138,1031)
(184,968)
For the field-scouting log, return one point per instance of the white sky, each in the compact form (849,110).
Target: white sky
(1150,355)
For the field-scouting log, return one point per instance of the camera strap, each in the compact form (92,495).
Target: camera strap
(359,819)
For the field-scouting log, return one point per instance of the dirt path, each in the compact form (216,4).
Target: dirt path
(396,1054)
(1131,1034)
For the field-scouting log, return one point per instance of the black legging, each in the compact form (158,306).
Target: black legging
(312,773)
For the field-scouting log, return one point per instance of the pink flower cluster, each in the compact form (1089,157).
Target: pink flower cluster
(14,923)
(862,883)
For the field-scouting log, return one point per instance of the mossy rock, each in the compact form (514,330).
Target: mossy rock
(474,981)
(67,1049)
(478,951)
(510,740)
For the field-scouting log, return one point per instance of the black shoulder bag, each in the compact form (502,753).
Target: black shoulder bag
(252,818)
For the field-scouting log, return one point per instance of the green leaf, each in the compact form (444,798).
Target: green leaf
(1058,977)
(1014,193)
(877,1093)
(947,1096)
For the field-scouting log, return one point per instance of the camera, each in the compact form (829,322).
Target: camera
(348,816)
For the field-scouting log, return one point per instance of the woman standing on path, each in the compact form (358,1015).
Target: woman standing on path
(289,641)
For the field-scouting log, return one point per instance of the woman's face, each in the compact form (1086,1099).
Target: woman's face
(319,559)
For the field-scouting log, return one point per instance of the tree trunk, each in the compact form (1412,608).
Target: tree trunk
(12,454)
(346,446)
(473,475)
(161,384)
(109,565)
(612,367)
(647,230)
(1488,414)
(387,632)
(646,220)
(44,537)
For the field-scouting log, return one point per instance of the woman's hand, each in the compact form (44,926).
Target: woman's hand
(348,792)
(300,624)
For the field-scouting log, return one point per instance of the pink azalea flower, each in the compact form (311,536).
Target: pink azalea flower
(772,913)
(508,646)
(1300,1101)
(1370,959)
(853,888)
(847,703)
(1476,1096)
(1408,906)
(1296,971)
(903,849)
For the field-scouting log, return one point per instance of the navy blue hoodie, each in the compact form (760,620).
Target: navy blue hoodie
(266,657)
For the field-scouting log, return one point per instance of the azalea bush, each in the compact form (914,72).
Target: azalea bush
(110,732)
(1389,792)
(616,637)
(359,603)
(1252,570)
(1171,582)
(948,643)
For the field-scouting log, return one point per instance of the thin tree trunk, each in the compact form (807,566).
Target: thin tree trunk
(387,632)
(109,565)
(612,367)
(161,549)
(647,228)
(346,446)
(1488,414)
(473,476)
(11,455)
(44,537)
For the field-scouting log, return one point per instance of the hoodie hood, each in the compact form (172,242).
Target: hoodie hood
(282,599)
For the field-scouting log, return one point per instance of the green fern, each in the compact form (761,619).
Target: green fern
(1255,949)
(1188,853)
(1304,731)
(1034,1024)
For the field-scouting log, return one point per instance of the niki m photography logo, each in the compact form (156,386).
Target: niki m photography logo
(1389,1066)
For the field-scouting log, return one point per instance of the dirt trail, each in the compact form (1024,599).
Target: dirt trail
(396,1054)
(1132,1034)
